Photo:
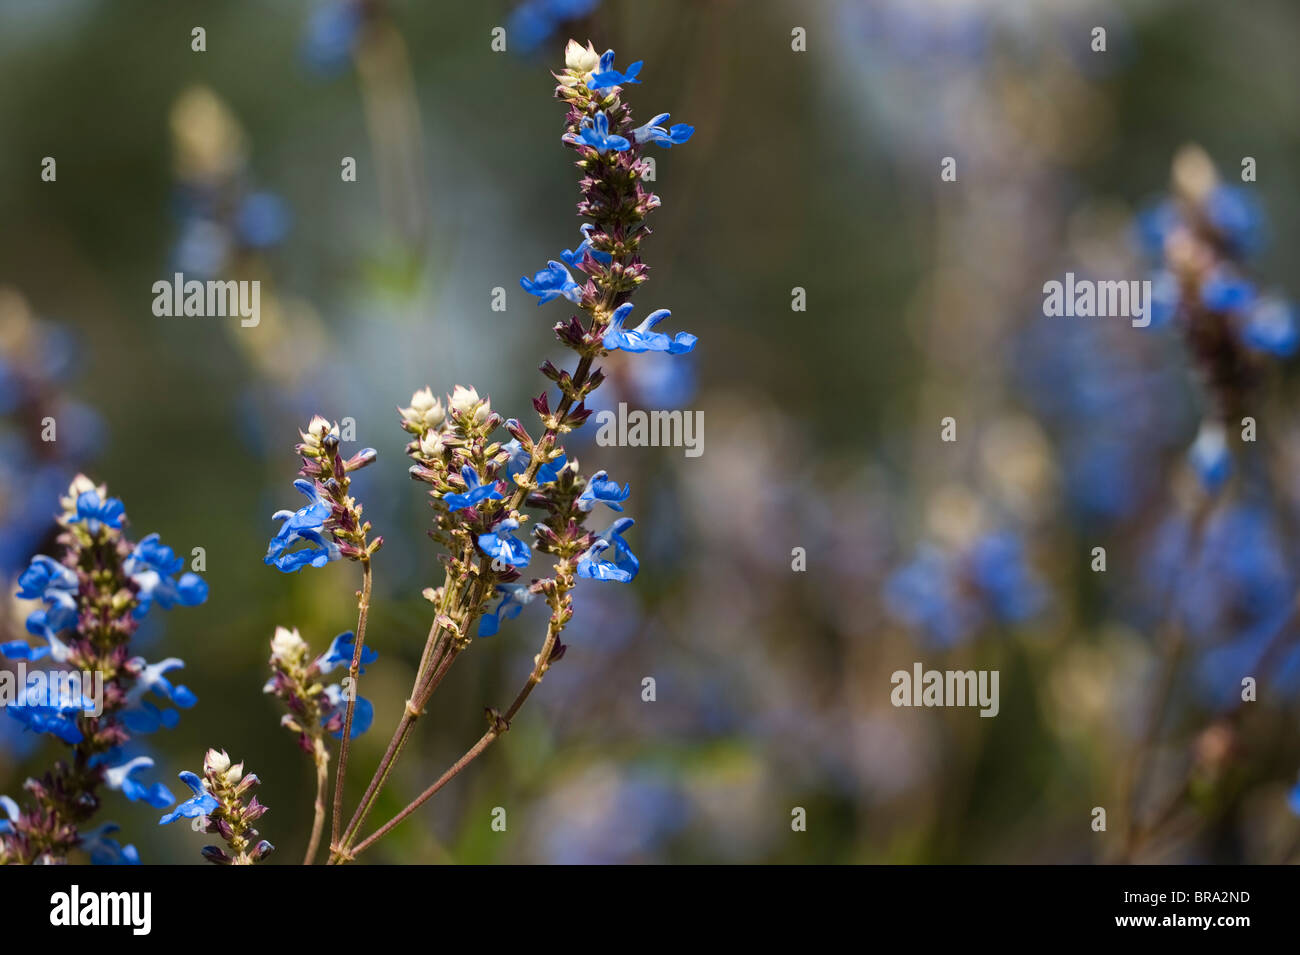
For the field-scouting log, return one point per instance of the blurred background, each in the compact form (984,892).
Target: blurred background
(814,170)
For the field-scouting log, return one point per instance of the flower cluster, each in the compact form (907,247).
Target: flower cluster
(218,801)
(92,601)
(1205,236)
(496,503)
(314,708)
(329,525)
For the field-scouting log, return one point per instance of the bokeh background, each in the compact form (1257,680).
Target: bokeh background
(816,170)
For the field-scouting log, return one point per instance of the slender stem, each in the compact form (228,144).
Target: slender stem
(1171,639)
(499,727)
(322,786)
(363,611)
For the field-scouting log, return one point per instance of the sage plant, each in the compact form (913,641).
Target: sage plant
(511,515)
(94,597)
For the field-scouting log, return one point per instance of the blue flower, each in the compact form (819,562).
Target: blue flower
(363,713)
(151,680)
(340,654)
(263,220)
(574,257)
(1224,291)
(43,575)
(1209,456)
(1270,326)
(1237,217)
(500,544)
(552,282)
(146,718)
(476,491)
(332,33)
(600,488)
(95,510)
(12,811)
(153,566)
(621,565)
(46,579)
(105,851)
(654,132)
(1009,587)
(513,600)
(519,461)
(595,133)
(119,778)
(307,524)
(200,804)
(1292,799)
(606,76)
(641,338)
(39,716)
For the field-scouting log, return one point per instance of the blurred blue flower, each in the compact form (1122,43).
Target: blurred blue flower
(105,851)
(263,220)
(153,566)
(120,778)
(94,510)
(331,35)
(534,21)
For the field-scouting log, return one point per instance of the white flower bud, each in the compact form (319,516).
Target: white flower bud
(464,400)
(287,647)
(215,762)
(579,58)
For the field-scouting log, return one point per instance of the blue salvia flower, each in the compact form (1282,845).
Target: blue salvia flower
(601,489)
(594,132)
(147,717)
(153,567)
(610,557)
(305,525)
(606,76)
(514,597)
(58,718)
(574,257)
(48,580)
(551,283)
(519,460)
(476,491)
(119,778)
(654,132)
(641,338)
(95,510)
(363,713)
(500,544)
(200,804)
(105,851)
(340,653)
